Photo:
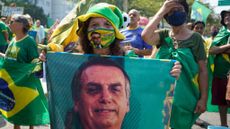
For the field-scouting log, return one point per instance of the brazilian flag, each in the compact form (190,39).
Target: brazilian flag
(221,39)
(200,12)
(22,100)
(186,93)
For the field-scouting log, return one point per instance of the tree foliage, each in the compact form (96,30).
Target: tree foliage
(148,7)
(34,11)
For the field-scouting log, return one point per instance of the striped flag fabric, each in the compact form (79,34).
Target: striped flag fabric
(21,101)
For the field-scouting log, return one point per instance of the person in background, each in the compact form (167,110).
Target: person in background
(10,34)
(40,32)
(186,46)
(143,21)
(133,40)
(32,32)
(213,32)
(199,27)
(220,49)
(23,49)
(3,37)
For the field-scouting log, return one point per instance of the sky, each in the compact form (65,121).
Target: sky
(217,9)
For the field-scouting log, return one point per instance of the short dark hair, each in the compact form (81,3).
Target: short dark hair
(198,22)
(103,61)
(185,5)
(223,14)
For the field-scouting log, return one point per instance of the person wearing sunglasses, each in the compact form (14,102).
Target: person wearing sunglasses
(23,49)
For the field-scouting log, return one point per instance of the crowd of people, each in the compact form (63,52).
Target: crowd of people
(99,32)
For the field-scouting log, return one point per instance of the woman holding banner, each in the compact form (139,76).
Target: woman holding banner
(99,32)
(186,46)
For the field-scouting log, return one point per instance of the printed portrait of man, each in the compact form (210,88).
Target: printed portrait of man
(101,91)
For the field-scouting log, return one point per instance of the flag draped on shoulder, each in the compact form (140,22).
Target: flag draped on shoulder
(21,98)
(65,35)
(186,93)
(221,38)
(200,12)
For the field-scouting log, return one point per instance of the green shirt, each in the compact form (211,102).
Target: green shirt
(23,51)
(3,29)
(195,43)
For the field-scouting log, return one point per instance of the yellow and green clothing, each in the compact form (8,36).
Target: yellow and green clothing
(30,106)
(23,51)
(3,28)
(207,45)
(221,61)
(186,93)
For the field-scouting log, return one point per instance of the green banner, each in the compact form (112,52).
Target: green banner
(149,104)
(22,101)
(200,12)
(223,3)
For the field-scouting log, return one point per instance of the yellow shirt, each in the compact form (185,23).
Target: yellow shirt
(207,45)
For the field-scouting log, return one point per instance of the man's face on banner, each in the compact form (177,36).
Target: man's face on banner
(103,100)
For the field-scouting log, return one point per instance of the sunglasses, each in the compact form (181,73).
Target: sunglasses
(12,21)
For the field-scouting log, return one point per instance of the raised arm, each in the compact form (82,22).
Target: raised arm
(149,34)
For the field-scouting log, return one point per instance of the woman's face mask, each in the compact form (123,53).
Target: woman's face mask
(177,18)
(101,37)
